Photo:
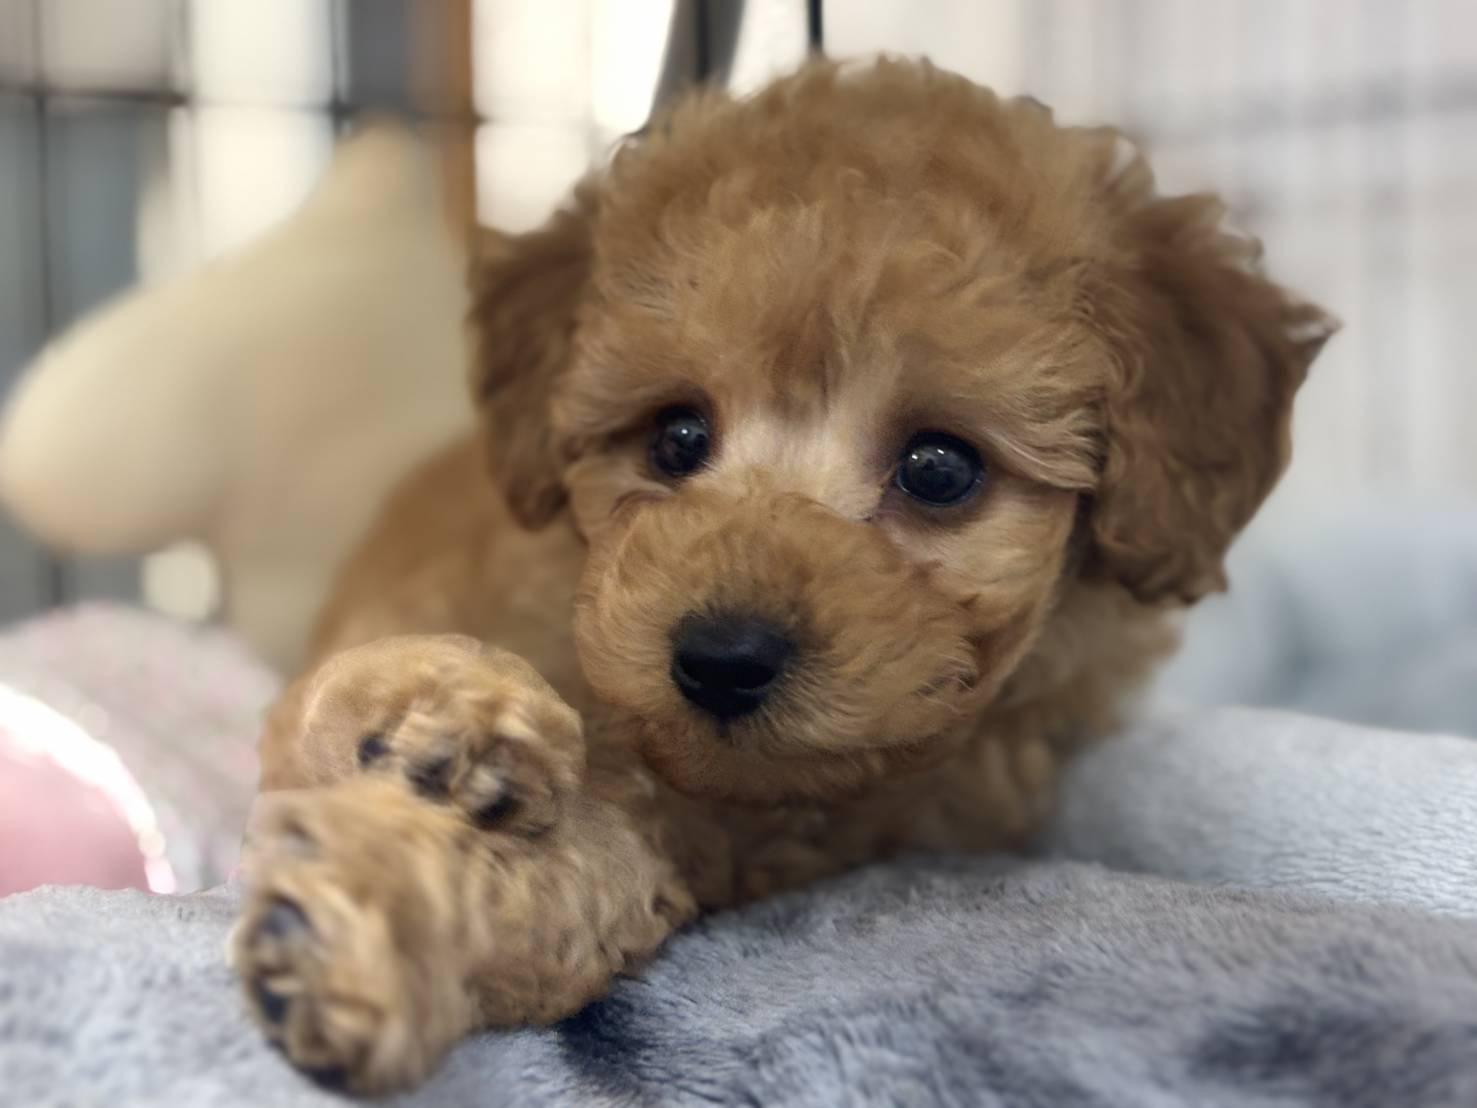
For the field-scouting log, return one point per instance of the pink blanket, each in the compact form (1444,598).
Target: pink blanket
(127,750)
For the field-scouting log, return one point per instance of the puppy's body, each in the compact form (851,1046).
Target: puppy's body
(530,763)
(447,559)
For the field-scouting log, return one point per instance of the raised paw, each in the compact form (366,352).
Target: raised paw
(478,729)
(480,746)
(346,947)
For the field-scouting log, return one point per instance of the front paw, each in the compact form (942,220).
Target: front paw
(346,946)
(505,754)
(456,722)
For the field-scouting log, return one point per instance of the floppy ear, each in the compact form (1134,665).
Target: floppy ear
(1196,423)
(526,291)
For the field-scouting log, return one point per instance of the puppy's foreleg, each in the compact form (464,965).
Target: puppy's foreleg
(440,862)
(380,927)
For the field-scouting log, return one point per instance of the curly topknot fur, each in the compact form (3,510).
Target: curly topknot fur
(847,258)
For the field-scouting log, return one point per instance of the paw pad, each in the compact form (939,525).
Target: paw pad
(372,748)
(431,777)
(496,811)
(272,1005)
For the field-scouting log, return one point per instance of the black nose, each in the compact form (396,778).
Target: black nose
(727,664)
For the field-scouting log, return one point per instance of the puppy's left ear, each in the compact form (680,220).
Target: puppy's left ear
(526,292)
(1209,355)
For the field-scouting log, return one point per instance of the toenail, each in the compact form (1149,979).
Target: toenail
(372,747)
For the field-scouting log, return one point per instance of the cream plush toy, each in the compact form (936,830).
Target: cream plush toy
(262,405)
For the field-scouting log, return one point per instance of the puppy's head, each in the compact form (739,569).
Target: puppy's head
(848,385)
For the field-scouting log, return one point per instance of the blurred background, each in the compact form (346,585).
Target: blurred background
(142,139)
(139,137)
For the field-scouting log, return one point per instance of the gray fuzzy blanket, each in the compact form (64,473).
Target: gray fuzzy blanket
(939,981)
(931,981)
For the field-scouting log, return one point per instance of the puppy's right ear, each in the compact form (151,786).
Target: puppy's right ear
(525,295)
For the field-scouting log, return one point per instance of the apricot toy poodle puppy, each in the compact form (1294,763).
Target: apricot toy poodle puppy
(844,450)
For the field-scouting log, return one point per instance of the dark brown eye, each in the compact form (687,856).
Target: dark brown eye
(939,469)
(681,441)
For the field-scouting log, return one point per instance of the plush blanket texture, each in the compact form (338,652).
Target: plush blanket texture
(1275,800)
(930,980)
(949,982)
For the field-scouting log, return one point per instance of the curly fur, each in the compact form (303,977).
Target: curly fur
(852,255)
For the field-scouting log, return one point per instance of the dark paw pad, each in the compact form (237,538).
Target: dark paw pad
(496,811)
(333,1078)
(372,748)
(273,1005)
(432,777)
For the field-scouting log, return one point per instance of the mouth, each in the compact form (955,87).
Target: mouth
(736,770)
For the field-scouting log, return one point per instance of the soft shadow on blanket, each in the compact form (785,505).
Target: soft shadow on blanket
(931,981)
